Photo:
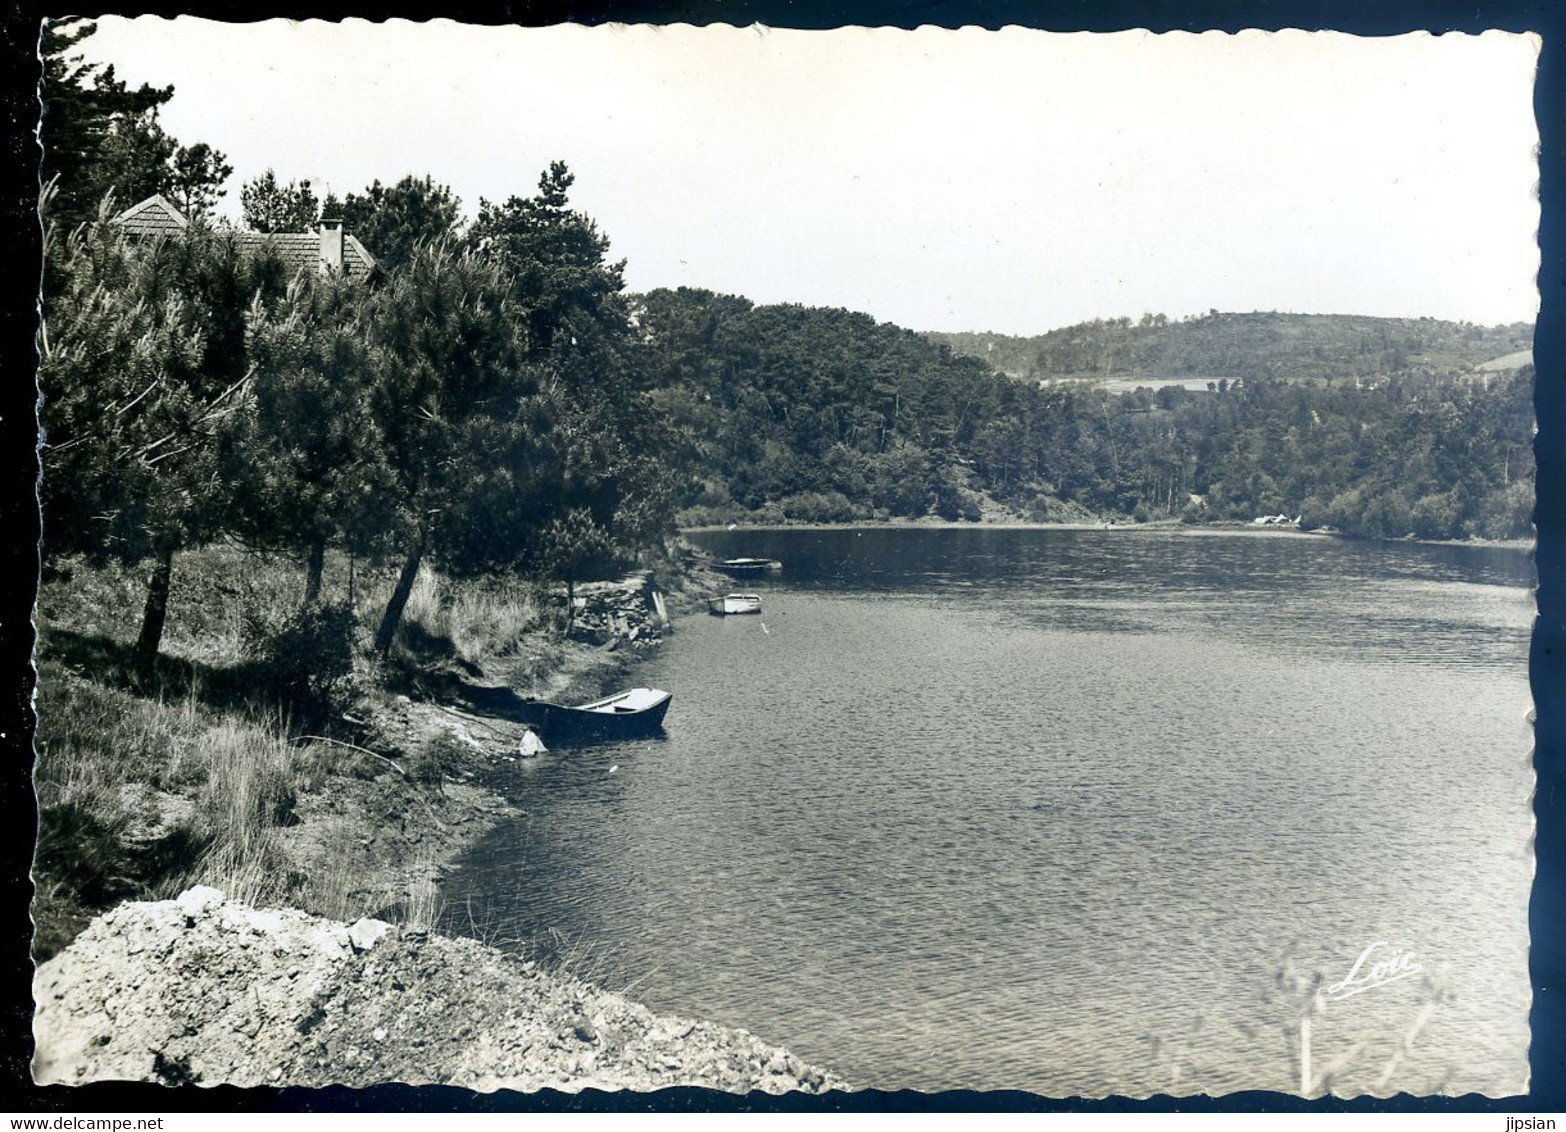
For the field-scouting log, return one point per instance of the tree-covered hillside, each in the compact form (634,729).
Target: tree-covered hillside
(816,414)
(1288,347)
(788,412)
(1444,458)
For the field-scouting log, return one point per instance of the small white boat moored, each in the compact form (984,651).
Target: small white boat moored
(746,567)
(734,603)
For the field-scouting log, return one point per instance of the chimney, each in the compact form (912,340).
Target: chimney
(331,247)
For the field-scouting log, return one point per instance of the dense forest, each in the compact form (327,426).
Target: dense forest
(1285,347)
(814,414)
(796,413)
(1449,458)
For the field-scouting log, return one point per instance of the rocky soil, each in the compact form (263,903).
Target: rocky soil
(209,991)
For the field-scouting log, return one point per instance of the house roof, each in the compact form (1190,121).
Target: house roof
(154,216)
(301,251)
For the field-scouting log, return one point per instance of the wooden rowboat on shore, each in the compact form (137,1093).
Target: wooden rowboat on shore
(637,711)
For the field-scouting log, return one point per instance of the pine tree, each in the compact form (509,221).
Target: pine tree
(448,400)
(100,136)
(143,377)
(308,468)
(268,206)
(391,220)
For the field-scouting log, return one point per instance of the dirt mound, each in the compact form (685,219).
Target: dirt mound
(208,991)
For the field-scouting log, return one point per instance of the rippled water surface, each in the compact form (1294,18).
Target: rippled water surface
(1078,812)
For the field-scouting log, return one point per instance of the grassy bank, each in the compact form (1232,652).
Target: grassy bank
(343,797)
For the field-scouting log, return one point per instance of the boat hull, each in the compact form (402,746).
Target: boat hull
(744,567)
(562,724)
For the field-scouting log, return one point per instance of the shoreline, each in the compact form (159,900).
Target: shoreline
(481,741)
(1165,526)
(361,816)
(115,1003)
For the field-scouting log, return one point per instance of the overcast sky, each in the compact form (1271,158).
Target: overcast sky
(1012,181)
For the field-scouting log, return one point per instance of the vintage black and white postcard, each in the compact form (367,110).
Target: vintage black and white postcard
(625,556)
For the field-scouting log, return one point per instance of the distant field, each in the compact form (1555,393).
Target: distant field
(1128,382)
(1507,362)
(1131,384)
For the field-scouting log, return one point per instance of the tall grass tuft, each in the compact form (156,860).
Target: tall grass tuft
(103,758)
(491,617)
(424,630)
(141,797)
(425,607)
(249,792)
(424,906)
(337,889)
(478,620)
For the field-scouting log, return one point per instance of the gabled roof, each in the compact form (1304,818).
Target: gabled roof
(300,251)
(154,216)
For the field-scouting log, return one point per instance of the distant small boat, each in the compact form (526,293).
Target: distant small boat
(638,711)
(734,603)
(746,566)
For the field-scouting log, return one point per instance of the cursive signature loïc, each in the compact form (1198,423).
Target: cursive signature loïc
(1369,973)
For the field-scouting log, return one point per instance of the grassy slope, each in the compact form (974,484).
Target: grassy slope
(204,781)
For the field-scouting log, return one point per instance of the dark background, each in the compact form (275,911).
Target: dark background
(19,260)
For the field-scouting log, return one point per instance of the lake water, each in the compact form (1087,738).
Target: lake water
(1078,812)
